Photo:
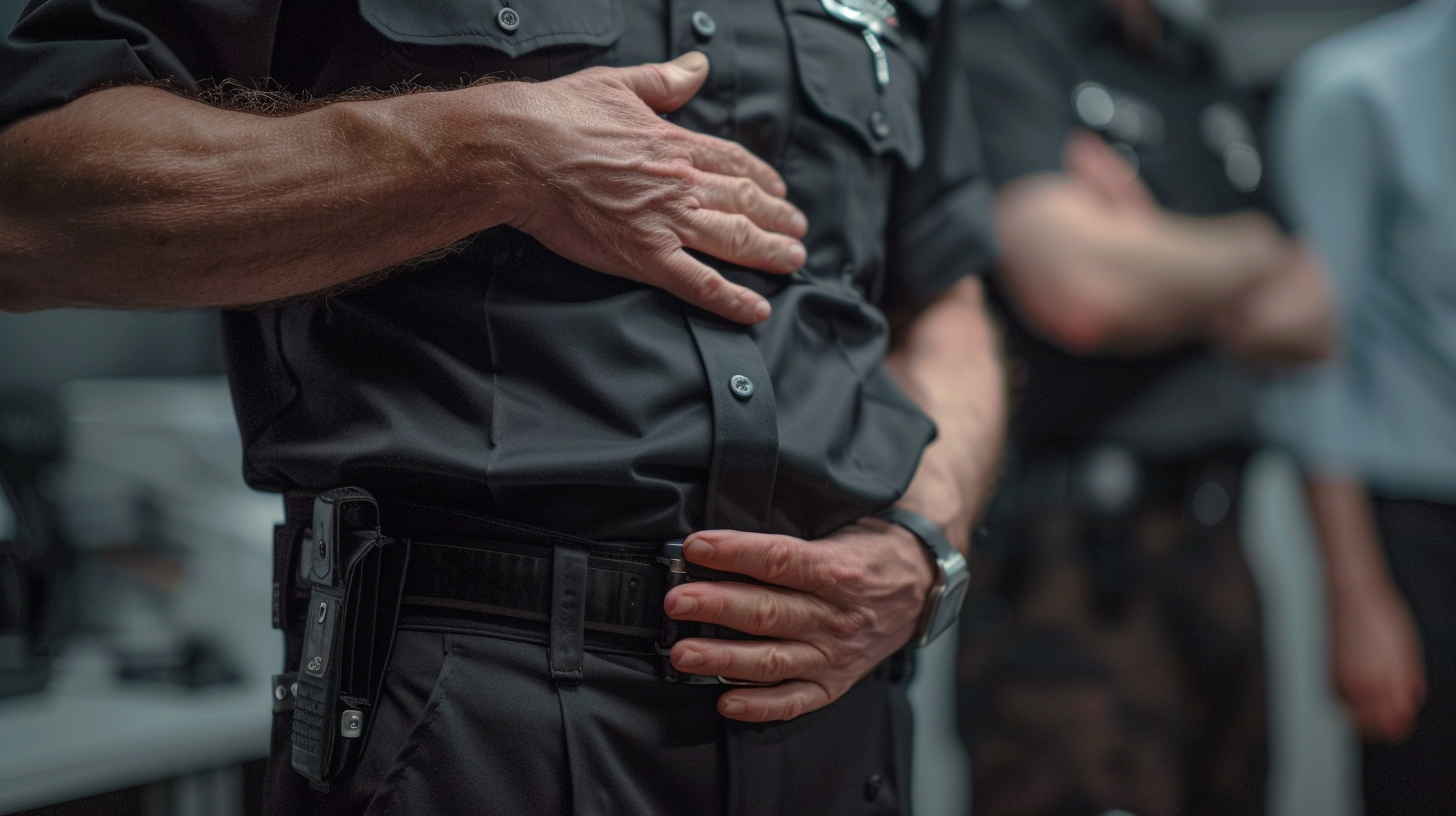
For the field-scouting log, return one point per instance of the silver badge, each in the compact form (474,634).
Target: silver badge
(876,18)
(879,17)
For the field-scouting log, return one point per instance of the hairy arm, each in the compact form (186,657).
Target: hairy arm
(1375,650)
(1092,262)
(948,360)
(136,198)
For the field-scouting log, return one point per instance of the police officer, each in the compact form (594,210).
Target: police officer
(531,411)
(1111,657)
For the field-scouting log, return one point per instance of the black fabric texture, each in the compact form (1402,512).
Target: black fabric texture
(568,614)
(1416,776)
(442,744)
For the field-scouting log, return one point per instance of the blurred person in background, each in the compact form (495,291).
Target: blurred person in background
(1367,162)
(1111,654)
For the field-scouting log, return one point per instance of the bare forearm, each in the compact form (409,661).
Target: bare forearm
(1344,523)
(948,360)
(134,197)
(1098,278)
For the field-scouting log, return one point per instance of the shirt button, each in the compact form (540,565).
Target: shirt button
(872,787)
(880,124)
(703,24)
(742,386)
(508,19)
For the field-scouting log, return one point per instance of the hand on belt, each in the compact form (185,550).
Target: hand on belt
(830,611)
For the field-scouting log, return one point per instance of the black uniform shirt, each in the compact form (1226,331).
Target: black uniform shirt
(508,380)
(1036,75)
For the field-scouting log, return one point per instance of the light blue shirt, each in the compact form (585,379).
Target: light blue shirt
(1365,145)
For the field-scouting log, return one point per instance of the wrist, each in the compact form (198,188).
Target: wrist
(949,579)
(481,135)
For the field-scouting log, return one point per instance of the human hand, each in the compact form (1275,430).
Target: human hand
(605,182)
(1375,655)
(1287,318)
(1095,165)
(839,606)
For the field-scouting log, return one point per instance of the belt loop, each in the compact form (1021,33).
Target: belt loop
(568,613)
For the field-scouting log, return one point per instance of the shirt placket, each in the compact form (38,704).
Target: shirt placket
(706,26)
(745,418)
(745,426)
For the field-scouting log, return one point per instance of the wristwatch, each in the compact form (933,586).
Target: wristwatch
(952,579)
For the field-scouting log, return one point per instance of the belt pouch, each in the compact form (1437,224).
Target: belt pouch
(355,577)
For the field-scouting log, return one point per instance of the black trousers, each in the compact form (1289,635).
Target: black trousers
(470,722)
(1418,777)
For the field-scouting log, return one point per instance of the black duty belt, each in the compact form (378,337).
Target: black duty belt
(623,595)
(346,566)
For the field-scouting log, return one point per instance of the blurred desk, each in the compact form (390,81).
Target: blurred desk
(154,464)
(89,734)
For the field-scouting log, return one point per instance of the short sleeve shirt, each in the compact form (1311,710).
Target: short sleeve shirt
(507,380)
(1041,72)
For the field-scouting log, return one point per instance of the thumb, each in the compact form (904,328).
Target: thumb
(667,86)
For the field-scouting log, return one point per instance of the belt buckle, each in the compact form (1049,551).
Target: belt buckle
(671,556)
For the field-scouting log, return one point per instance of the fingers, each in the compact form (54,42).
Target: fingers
(1090,160)
(689,279)
(736,239)
(757,610)
(782,702)
(782,560)
(757,661)
(745,197)
(732,159)
(667,86)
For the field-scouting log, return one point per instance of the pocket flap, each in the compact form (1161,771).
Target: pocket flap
(528,26)
(837,70)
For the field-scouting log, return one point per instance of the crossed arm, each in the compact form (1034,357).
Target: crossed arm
(1094,263)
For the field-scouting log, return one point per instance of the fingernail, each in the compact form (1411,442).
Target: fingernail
(734,707)
(681,604)
(798,222)
(689,658)
(692,61)
(698,550)
(797,254)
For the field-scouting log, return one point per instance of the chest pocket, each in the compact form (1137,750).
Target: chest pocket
(512,27)
(870,85)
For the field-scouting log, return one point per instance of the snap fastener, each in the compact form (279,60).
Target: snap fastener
(742,386)
(880,124)
(872,787)
(704,24)
(508,19)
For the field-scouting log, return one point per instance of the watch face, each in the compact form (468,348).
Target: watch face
(948,606)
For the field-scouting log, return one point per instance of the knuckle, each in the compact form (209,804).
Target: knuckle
(847,624)
(741,234)
(745,194)
(707,286)
(767,615)
(849,576)
(777,663)
(778,561)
